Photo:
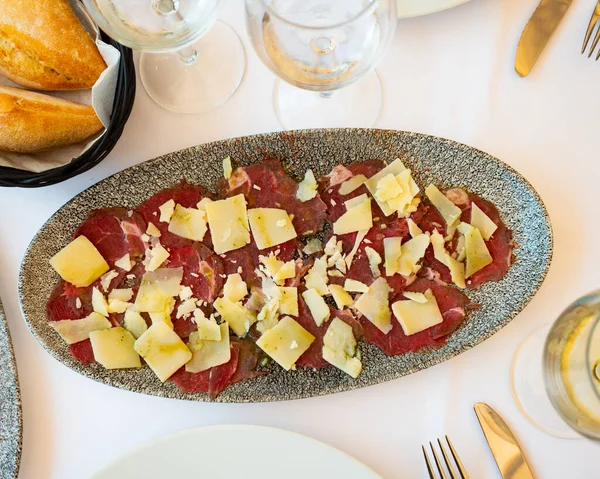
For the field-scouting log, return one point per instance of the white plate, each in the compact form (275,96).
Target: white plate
(415,8)
(225,452)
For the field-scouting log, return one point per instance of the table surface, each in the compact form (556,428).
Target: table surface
(449,74)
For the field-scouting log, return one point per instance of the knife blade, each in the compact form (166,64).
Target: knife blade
(503,444)
(537,32)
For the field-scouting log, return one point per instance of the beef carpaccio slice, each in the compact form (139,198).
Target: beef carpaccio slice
(267,185)
(115,232)
(452,304)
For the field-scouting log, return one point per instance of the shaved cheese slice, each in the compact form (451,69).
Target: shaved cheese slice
(235,289)
(403,202)
(307,188)
(415,317)
(79,263)
(208,329)
(340,296)
(237,316)
(270,227)
(155,257)
(134,323)
(124,263)
(449,211)
(412,252)
(166,211)
(287,271)
(394,168)
(360,236)
(161,317)
(482,222)
(113,349)
(339,348)
(76,330)
(374,261)
(123,294)
(357,200)
(163,350)
(457,269)
(201,205)
(288,300)
(189,223)
(392,249)
(353,286)
(271,263)
(387,189)
(285,342)
(356,218)
(227,168)
(316,277)
(477,253)
(317,306)
(186,307)
(118,306)
(228,222)
(413,229)
(99,303)
(268,315)
(208,354)
(158,289)
(106,279)
(152,230)
(374,305)
(414,296)
(352,184)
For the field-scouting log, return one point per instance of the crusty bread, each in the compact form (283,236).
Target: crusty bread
(31,122)
(44,46)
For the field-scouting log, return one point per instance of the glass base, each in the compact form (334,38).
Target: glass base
(357,105)
(180,82)
(528,390)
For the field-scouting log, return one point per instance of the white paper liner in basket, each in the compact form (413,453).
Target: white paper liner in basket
(101,97)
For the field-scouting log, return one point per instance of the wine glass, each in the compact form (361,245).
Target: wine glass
(190,63)
(319,47)
(555,374)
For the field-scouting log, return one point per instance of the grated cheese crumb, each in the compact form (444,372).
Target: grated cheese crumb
(333,202)
(195,275)
(239,270)
(294,345)
(367,240)
(256,187)
(78,303)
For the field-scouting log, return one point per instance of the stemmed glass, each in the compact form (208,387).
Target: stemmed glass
(190,63)
(555,374)
(319,47)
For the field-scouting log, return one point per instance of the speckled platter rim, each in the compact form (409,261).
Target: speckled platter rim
(11,416)
(432,159)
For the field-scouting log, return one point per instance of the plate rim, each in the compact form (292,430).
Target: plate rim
(187,432)
(426,363)
(433,9)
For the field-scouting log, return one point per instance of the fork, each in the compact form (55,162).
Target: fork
(461,470)
(590,29)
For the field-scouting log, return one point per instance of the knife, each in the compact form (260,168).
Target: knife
(537,32)
(505,448)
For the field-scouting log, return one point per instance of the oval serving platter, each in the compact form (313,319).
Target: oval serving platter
(432,159)
(11,418)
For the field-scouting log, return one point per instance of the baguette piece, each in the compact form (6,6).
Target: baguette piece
(32,122)
(44,46)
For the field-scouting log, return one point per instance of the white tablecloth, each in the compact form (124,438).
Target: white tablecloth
(449,74)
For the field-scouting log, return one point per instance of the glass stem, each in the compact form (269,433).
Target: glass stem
(188,55)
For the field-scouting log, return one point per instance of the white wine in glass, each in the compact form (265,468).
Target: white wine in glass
(325,52)
(555,375)
(190,63)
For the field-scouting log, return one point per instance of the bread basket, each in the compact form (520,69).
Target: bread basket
(123,103)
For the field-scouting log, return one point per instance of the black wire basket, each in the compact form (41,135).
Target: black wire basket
(123,103)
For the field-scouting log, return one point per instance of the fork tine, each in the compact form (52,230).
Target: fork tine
(594,43)
(461,468)
(448,465)
(437,462)
(429,468)
(589,31)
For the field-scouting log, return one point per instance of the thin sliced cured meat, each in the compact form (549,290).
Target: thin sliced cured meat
(249,357)
(182,194)
(211,381)
(115,232)
(82,351)
(267,185)
(500,245)
(452,304)
(63,302)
